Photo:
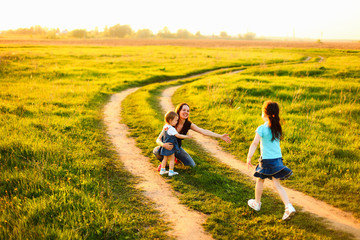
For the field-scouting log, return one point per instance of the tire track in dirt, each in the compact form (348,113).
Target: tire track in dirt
(186,223)
(335,217)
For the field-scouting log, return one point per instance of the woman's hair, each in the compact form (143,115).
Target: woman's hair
(271,110)
(170,115)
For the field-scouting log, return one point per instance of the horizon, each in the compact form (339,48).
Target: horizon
(214,36)
(276,19)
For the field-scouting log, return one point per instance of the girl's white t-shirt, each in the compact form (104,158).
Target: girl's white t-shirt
(170,130)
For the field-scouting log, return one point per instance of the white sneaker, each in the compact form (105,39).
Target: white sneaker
(173,173)
(254,205)
(289,212)
(163,172)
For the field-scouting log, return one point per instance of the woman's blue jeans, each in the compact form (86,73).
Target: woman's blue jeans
(180,155)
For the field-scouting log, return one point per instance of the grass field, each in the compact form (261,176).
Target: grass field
(59,175)
(320,112)
(204,43)
(217,190)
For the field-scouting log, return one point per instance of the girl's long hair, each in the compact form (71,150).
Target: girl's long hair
(271,110)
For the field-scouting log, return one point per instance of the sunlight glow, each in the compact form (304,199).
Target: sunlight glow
(280,18)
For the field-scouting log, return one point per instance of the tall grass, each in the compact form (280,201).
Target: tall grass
(59,176)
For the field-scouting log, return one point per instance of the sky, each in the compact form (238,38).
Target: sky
(315,19)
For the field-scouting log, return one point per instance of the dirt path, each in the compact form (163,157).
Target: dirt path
(321,59)
(337,218)
(186,223)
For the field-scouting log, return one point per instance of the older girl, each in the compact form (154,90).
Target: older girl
(270,164)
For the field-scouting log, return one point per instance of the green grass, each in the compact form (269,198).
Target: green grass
(338,66)
(60,177)
(321,118)
(215,189)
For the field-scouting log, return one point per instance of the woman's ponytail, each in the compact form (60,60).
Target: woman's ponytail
(271,109)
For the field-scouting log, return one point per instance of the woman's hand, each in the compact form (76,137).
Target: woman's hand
(168,146)
(226,138)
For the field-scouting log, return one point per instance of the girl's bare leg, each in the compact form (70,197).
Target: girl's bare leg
(259,189)
(172,161)
(283,195)
(164,161)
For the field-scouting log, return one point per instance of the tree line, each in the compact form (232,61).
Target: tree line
(122,31)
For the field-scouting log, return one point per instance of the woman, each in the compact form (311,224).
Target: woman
(182,127)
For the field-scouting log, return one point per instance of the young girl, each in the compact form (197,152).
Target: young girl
(270,164)
(171,118)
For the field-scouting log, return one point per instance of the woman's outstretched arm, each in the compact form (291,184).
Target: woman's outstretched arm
(209,133)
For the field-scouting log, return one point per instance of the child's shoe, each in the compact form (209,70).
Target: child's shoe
(289,212)
(163,171)
(172,173)
(254,205)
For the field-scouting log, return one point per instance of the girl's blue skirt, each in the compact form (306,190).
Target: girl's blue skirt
(268,168)
(169,139)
